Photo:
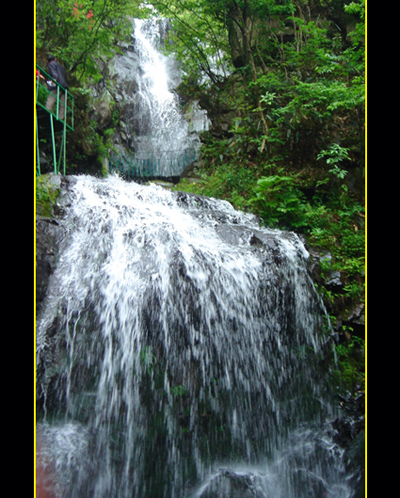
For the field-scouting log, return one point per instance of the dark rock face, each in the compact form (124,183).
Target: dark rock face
(49,233)
(103,116)
(350,435)
(48,236)
(230,484)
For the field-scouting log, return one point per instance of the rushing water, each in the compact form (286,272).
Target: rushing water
(181,353)
(162,139)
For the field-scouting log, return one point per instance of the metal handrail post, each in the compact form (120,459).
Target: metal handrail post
(37,148)
(57,102)
(65,132)
(59,121)
(60,154)
(37,131)
(72,114)
(54,144)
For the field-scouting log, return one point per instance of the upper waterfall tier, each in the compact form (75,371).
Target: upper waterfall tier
(158,134)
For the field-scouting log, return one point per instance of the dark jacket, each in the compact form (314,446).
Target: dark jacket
(57,71)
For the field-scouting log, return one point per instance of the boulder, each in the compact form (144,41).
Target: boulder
(103,116)
(48,236)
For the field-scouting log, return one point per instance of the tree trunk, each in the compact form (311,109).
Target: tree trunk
(250,59)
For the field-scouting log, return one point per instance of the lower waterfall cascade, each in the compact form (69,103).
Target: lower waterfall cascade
(182,352)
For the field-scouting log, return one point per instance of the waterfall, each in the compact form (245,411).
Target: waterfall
(162,139)
(182,352)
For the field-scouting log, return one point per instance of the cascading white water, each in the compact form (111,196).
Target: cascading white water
(165,129)
(161,139)
(180,353)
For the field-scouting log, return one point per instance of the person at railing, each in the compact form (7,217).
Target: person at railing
(58,73)
(39,75)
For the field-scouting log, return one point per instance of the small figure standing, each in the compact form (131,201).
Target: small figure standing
(56,71)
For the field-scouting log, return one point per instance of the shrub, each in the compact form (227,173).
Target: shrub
(279,202)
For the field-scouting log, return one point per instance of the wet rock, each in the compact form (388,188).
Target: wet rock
(50,209)
(103,116)
(318,265)
(192,170)
(350,435)
(230,484)
(333,279)
(48,236)
(355,459)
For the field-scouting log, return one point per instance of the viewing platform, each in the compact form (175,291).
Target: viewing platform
(53,121)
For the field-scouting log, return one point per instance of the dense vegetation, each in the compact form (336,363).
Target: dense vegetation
(82,33)
(286,79)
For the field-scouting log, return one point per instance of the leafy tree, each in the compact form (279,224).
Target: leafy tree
(81,33)
(198,38)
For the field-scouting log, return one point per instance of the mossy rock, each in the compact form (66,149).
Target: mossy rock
(48,188)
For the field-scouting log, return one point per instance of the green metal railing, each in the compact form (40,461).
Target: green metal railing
(55,122)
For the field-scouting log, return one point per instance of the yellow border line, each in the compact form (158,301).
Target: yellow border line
(366,252)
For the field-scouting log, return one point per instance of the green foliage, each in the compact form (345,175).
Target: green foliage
(339,230)
(198,38)
(82,33)
(179,391)
(351,363)
(335,154)
(297,95)
(230,181)
(278,201)
(42,95)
